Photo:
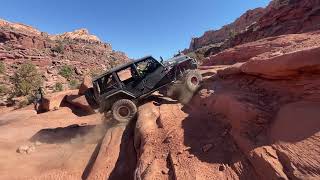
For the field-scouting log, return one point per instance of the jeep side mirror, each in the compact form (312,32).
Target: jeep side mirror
(161,59)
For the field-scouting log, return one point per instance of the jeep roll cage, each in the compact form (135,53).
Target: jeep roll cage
(101,82)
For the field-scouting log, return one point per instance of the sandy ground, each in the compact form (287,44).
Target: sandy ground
(61,153)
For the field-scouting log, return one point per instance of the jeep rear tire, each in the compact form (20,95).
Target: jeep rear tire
(192,80)
(124,110)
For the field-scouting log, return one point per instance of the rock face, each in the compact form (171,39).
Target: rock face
(80,102)
(84,53)
(278,18)
(226,32)
(256,119)
(283,17)
(85,85)
(266,48)
(53,101)
(80,34)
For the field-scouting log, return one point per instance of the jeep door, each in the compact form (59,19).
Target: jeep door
(151,73)
(130,80)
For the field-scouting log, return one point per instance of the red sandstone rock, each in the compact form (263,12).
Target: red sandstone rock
(295,133)
(279,18)
(80,102)
(86,84)
(53,101)
(266,48)
(79,50)
(212,37)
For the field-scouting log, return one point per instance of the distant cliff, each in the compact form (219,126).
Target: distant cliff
(80,51)
(278,18)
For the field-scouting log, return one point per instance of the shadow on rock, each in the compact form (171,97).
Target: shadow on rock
(70,134)
(127,160)
(209,138)
(114,156)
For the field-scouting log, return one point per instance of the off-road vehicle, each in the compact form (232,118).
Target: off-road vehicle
(121,88)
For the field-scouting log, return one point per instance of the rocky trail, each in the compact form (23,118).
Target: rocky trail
(250,120)
(256,119)
(256,115)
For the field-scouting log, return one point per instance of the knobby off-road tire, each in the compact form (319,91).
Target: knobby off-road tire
(192,80)
(185,87)
(124,110)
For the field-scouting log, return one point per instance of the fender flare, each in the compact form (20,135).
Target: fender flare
(109,100)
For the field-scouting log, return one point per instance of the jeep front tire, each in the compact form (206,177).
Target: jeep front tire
(192,80)
(124,110)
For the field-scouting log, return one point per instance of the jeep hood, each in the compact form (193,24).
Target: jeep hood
(176,60)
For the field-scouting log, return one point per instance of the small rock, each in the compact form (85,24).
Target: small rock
(78,71)
(165,171)
(168,139)
(207,147)
(191,156)
(23,149)
(26,149)
(31,149)
(222,168)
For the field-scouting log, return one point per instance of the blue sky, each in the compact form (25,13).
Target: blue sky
(137,27)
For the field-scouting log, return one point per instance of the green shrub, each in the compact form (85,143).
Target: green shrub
(3,89)
(95,72)
(59,48)
(58,87)
(26,80)
(74,84)
(66,71)
(2,68)
(232,33)
(23,103)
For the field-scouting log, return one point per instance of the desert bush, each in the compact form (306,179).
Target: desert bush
(232,33)
(2,68)
(95,72)
(58,87)
(74,84)
(3,89)
(59,48)
(66,71)
(26,80)
(23,103)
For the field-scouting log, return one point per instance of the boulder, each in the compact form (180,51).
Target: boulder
(86,84)
(53,101)
(290,64)
(80,102)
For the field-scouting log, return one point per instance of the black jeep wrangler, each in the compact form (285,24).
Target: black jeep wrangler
(121,88)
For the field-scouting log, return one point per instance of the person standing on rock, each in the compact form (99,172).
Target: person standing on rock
(38,98)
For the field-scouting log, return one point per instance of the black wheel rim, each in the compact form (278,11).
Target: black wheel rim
(124,111)
(194,80)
